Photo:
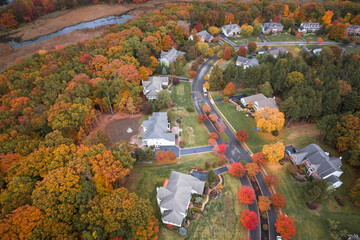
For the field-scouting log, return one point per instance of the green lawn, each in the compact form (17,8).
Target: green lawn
(223,220)
(313,37)
(240,121)
(220,94)
(313,224)
(194,133)
(242,40)
(281,37)
(294,49)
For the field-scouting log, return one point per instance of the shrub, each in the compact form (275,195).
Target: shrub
(199,169)
(214,164)
(207,165)
(207,206)
(176,135)
(264,216)
(201,117)
(205,213)
(178,120)
(176,81)
(275,133)
(292,169)
(190,109)
(226,100)
(182,144)
(182,232)
(265,227)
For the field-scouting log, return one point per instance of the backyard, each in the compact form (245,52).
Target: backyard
(194,133)
(313,224)
(144,179)
(282,37)
(243,40)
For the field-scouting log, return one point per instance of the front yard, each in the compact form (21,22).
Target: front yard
(281,37)
(238,40)
(194,133)
(313,37)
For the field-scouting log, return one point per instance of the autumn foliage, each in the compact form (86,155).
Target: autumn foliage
(220,149)
(268,120)
(229,89)
(252,169)
(237,170)
(264,203)
(165,157)
(285,226)
(213,135)
(260,158)
(249,219)
(274,152)
(242,135)
(206,109)
(201,117)
(246,195)
(278,200)
(271,180)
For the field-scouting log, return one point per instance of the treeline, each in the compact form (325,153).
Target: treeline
(29,10)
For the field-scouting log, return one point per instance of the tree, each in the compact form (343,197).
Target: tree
(285,226)
(213,135)
(327,17)
(251,47)
(260,158)
(268,119)
(206,108)
(201,117)
(347,132)
(246,30)
(266,89)
(294,78)
(246,195)
(338,32)
(163,99)
(206,85)
(227,53)
(355,193)
(7,19)
(213,118)
(220,148)
(278,200)
(242,135)
(213,30)
(242,51)
(274,152)
(165,157)
(264,203)
(217,79)
(249,219)
(211,177)
(286,10)
(315,190)
(237,170)
(229,89)
(271,180)
(320,40)
(257,28)
(252,169)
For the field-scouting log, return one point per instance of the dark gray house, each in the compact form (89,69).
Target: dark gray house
(272,27)
(170,56)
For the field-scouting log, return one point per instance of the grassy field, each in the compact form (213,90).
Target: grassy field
(242,40)
(294,49)
(313,224)
(220,94)
(282,37)
(194,133)
(223,220)
(313,37)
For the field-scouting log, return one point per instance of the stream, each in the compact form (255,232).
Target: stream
(84,25)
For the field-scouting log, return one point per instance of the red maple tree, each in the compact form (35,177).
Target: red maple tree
(242,51)
(285,226)
(264,203)
(242,135)
(271,180)
(246,195)
(260,158)
(201,118)
(213,135)
(237,170)
(227,53)
(249,219)
(278,200)
(252,169)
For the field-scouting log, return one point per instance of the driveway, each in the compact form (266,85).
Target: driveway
(195,150)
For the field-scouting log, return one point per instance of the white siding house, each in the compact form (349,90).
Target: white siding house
(154,85)
(156,131)
(231,30)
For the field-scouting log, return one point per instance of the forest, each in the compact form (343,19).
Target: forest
(58,181)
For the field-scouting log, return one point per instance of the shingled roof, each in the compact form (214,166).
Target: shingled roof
(227,28)
(154,85)
(156,127)
(171,55)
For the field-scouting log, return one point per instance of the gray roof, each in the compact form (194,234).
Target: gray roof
(261,101)
(204,34)
(268,25)
(171,55)
(274,51)
(156,127)
(247,62)
(310,25)
(319,159)
(177,194)
(154,84)
(353,27)
(229,27)
(333,179)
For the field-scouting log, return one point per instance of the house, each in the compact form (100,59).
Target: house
(154,85)
(156,131)
(204,36)
(246,62)
(319,164)
(260,101)
(272,27)
(354,30)
(174,197)
(170,56)
(273,51)
(317,50)
(307,27)
(231,30)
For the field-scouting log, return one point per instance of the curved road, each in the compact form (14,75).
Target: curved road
(235,152)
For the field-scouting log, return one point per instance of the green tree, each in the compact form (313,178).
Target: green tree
(163,99)
(294,78)
(216,80)
(211,177)
(315,190)
(266,89)
(355,193)
(257,28)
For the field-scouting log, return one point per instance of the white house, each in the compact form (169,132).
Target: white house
(246,62)
(174,197)
(319,164)
(231,30)
(170,56)
(307,27)
(260,101)
(154,85)
(204,36)
(156,131)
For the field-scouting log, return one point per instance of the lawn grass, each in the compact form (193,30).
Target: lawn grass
(313,37)
(220,94)
(194,133)
(243,40)
(222,221)
(313,224)
(282,37)
(294,49)
(240,121)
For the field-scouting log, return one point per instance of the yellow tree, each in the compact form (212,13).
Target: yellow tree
(274,152)
(327,17)
(286,10)
(268,120)
(206,85)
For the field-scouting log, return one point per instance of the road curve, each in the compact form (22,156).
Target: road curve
(235,152)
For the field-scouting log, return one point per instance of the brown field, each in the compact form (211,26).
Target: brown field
(117,129)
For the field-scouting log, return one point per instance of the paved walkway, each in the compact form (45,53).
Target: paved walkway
(221,170)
